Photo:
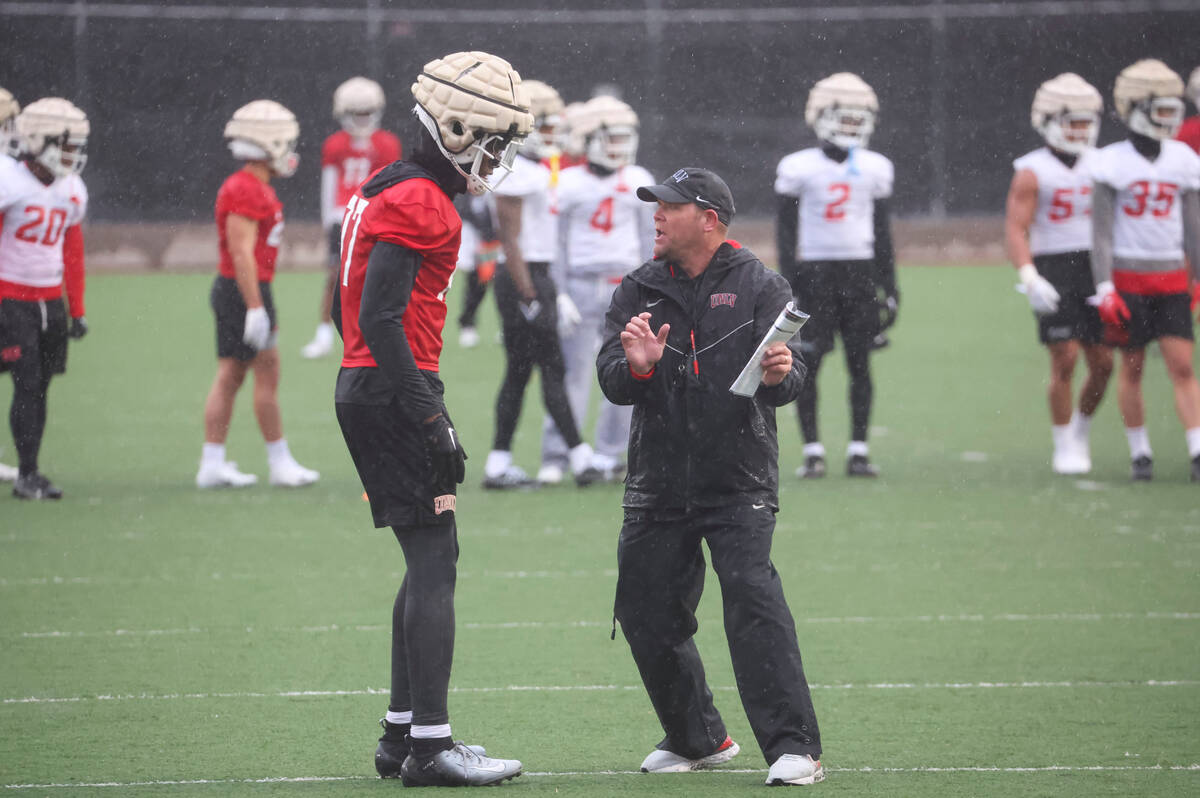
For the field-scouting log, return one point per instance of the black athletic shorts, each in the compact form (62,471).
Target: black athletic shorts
(1154,316)
(33,337)
(841,298)
(1071,275)
(230,310)
(335,247)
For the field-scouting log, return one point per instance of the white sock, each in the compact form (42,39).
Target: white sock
(856,448)
(1081,424)
(1061,433)
(399,718)
(497,463)
(278,452)
(815,449)
(581,458)
(1139,442)
(325,332)
(430,732)
(1193,441)
(212,454)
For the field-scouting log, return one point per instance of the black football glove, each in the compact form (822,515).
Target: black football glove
(446,452)
(889,306)
(78,327)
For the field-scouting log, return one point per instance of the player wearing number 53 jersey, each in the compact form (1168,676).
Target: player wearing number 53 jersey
(1146,228)
(1048,231)
(834,241)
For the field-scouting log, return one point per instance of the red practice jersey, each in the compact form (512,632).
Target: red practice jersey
(414,213)
(357,159)
(245,195)
(1189,132)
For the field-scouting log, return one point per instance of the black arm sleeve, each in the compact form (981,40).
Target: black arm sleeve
(387,286)
(787,232)
(885,255)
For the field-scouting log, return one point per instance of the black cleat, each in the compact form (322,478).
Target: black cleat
(589,476)
(459,766)
(513,478)
(1142,469)
(1196,468)
(391,752)
(813,468)
(859,466)
(35,486)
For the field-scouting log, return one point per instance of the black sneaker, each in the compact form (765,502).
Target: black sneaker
(589,476)
(392,750)
(1196,468)
(1142,469)
(513,478)
(35,486)
(859,466)
(813,468)
(459,766)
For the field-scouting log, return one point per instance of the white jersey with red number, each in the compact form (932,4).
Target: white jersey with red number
(1147,223)
(35,219)
(1063,220)
(604,229)
(837,201)
(530,181)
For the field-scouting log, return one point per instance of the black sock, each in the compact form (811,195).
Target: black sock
(425,747)
(395,732)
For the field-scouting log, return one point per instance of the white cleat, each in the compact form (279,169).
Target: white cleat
(795,769)
(290,474)
(317,348)
(468,338)
(1071,461)
(223,475)
(550,474)
(8,473)
(661,760)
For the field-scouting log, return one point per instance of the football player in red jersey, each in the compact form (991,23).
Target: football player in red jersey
(400,242)
(249,217)
(1189,131)
(42,203)
(348,157)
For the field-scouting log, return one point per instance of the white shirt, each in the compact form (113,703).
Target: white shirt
(604,229)
(837,201)
(35,219)
(1063,219)
(530,180)
(1148,224)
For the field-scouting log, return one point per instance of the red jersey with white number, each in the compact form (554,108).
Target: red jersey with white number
(34,219)
(605,230)
(1063,219)
(356,159)
(245,195)
(837,201)
(416,214)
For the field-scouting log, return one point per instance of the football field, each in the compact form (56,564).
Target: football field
(971,624)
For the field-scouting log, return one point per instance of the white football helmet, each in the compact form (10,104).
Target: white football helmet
(569,141)
(1193,87)
(841,109)
(9,108)
(53,132)
(547,108)
(1149,99)
(475,108)
(264,130)
(609,129)
(1066,111)
(358,105)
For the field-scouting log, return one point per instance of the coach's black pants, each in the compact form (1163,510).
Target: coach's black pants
(660,578)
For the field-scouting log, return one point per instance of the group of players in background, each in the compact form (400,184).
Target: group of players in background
(1106,244)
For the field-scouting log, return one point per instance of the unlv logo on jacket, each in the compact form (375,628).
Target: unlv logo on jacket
(721,299)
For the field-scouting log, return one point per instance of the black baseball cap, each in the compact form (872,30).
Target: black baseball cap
(693,184)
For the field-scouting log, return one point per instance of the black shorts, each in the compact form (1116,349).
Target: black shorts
(33,338)
(230,310)
(394,466)
(335,247)
(1076,320)
(842,299)
(1155,316)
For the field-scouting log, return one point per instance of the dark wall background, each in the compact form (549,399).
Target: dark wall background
(715,85)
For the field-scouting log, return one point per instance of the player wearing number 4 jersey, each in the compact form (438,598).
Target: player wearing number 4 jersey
(1146,229)
(1048,231)
(835,248)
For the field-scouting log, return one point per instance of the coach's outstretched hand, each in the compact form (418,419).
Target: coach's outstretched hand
(445,450)
(643,347)
(79,327)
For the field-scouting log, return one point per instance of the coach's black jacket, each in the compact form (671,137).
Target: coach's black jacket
(693,444)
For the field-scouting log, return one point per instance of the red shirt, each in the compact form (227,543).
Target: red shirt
(244,194)
(357,159)
(1189,132)
(416,214)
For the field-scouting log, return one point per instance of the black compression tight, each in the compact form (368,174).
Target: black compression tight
(861,394)
(27,416)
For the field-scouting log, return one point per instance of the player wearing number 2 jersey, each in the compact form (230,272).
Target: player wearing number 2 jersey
(834,242)
(1146,228)
(1048,231)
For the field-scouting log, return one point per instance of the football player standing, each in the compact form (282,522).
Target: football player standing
(9,108)
(400,242)
(1145,231)
(605,232)
(348,157)
(43,202)
(262,135)
(1048,233)
(833,233)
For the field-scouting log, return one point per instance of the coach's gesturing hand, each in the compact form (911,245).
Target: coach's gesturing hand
(445,450)
(643,347)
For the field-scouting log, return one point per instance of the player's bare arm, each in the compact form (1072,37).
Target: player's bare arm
(1018,216)
(241,232)
(643,347)
(508,218)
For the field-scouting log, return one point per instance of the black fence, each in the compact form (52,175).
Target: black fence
(715,85)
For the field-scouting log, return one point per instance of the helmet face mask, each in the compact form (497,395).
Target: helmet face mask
(1072,132)
(613,146)
(606,130)
(361,124)
(1066,112)
(846,127)
(53,133)
(1149,99)
(1158,117)
(358,106)
(841,110)
(268,129)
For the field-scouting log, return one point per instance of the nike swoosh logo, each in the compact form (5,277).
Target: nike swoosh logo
(757,506)
(495,767)
(652,304)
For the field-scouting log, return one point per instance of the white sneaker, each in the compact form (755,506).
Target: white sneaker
(795,769)
(290,474)
(550,474)
(317,348)
(661,760)
(223,475)
(468,338)
(1070,460)
(8,473)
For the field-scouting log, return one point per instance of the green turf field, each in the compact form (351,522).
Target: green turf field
(972,625)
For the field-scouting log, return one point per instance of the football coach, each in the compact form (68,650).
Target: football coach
(703,466)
